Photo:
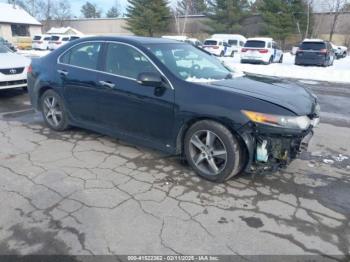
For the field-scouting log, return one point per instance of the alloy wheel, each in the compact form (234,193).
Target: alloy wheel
(52,111)
(208,152)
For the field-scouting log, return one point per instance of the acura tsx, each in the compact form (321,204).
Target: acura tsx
(173,97)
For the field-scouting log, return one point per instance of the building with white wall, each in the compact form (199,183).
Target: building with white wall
(16,23)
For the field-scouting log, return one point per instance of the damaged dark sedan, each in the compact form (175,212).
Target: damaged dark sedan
(176,98)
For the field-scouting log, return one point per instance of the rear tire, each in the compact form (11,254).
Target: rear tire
(222,54)
(233,54)
(54,110)
(213,151)
(281,59)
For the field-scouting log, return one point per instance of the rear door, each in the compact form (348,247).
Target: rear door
(77,69)
(134,110)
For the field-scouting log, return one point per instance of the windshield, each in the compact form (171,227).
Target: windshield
(210,42)
(4,49)
(312,46)
(255,43)
(189,63)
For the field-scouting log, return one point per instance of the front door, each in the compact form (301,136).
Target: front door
(134,110)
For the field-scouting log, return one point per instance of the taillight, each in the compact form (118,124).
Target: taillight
(323,51)
(244,50)
(263,51)
(30,69)
(57,43)
(40,42)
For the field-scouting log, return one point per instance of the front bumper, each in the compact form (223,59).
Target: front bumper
(272,150)
(13,81)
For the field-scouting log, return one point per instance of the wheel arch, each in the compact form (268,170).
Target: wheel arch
(186,126)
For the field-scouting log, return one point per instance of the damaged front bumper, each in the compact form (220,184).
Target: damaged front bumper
(272,148)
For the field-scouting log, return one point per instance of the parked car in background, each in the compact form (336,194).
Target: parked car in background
(6,43)
(235,41)
(315,52)
(13,69)
(194,42)
(218,47)
(41,42)
(343,51)
(60,40)
(174,97)
(261,50)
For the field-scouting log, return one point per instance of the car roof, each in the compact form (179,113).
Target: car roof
(228,36)
(132,39)
(313,40)
(260,39)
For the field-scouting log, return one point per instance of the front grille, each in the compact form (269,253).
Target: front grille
(12,71)
(13,83)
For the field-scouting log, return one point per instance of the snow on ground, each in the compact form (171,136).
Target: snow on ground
(339,72)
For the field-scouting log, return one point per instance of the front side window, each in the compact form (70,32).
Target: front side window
(233,42)
(124,60)
(190,63)
(84,55)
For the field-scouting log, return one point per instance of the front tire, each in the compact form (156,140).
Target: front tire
(233,54)
(54,111)
(213,151)
(281,59)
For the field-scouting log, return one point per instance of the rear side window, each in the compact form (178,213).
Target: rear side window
(84,55)
(210,42)
(233,42)
(37,37)
(313,45)
(124,60)
(255,43)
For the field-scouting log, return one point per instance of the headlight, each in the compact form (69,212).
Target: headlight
(296,122)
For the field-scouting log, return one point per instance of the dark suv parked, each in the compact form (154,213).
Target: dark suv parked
(173,97)
(315,52)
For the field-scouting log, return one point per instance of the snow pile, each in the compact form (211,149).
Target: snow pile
(339,72)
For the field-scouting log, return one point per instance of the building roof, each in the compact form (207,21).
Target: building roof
(14,14)
(63,31)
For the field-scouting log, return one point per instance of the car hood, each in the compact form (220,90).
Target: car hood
(282,93)
(12,60)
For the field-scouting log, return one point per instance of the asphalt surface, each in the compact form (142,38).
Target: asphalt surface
(79,192)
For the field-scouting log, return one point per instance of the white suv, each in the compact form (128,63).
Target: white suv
(41,42)
(261,50)
(218,47)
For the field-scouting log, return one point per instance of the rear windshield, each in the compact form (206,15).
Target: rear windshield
(255,43)
(55,38)
(232,42)
(37,37)
(210,42)
(313,45)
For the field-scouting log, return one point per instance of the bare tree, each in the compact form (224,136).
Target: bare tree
(181,12)
(62,11)
(336,7)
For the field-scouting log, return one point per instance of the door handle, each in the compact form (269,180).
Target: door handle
(62,72)
(107,84)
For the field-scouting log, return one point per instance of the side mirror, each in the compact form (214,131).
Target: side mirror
(150,79)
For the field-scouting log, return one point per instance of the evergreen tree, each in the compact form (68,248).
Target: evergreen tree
(226,15)
(90,10)
(113,11)
(192,7)
(148,17)
(284,18)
